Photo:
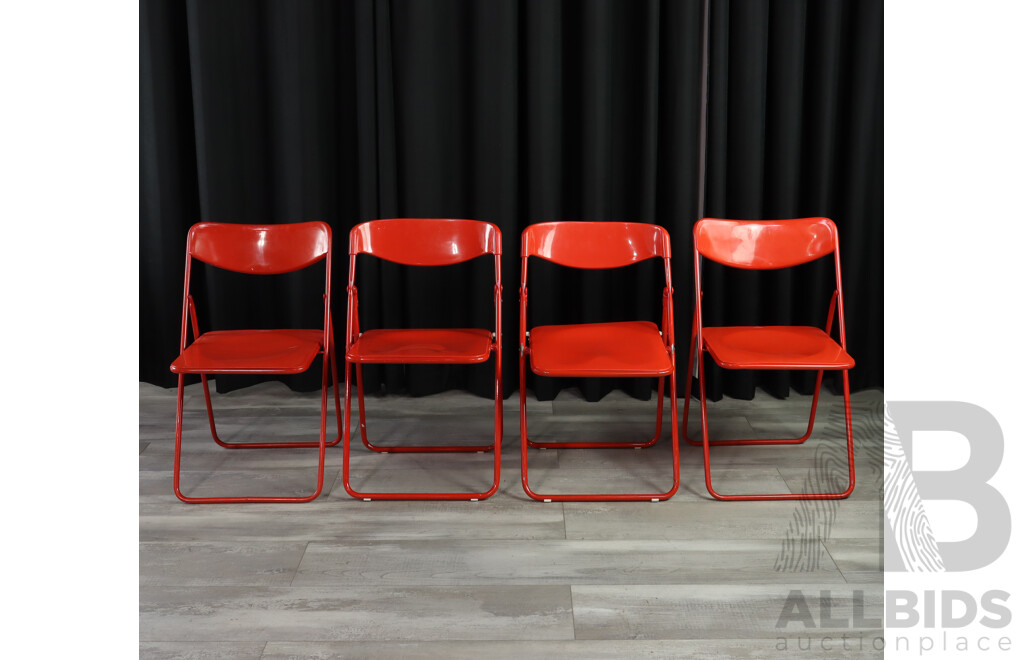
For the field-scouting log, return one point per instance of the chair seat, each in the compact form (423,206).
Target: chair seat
(775,347)
(631,348)
(427,346)
(250,352)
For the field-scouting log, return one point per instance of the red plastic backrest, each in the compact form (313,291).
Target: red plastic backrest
(764,244)
(595,244)
(425,241)
(260,249)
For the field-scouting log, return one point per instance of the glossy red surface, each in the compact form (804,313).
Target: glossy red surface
(260,249)
(256,249)
(620,349)
(595,244)
(407,346)
(421,242)
(775,347)
(764,244)
(425,241)
(250,352)
(632,348)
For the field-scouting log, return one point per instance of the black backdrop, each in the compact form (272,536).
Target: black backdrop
(513,112)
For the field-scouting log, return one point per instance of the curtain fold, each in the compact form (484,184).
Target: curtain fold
(514,112)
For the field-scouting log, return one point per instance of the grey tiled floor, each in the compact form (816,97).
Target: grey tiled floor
(507,577)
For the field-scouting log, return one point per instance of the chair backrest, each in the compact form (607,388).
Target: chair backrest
(259,249)
(764,244)
(595,244)
(425,241)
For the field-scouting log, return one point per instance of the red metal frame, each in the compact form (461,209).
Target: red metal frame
(598,245)
(256,249)
(421,242)
(765,245)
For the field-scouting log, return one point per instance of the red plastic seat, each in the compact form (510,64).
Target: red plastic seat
(421,242)
(769,245)
(249,352)
(413,346)
(620,349)
(256,250)
(775,347)
(630,348)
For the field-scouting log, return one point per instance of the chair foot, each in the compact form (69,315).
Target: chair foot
(249,500)
(591,445)
(602,497)
(427,497)
(430,449)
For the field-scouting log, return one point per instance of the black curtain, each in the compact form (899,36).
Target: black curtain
(514,112)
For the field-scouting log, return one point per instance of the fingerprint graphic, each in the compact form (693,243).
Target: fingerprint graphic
(904,509)
(812,522)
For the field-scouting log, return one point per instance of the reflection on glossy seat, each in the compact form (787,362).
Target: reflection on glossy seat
(620,349)
(631,348)
(256,250)
(406,346)
(768,245)
(421,242)
(775,347)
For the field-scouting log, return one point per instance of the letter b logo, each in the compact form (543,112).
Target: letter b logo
(909,543)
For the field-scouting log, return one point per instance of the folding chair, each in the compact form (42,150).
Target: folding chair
(768,245)
(421,242)
(256,250)
(619,349)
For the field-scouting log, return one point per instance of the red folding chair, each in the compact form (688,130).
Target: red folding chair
(421,242)
(256,250)
(621,349)
(768,245)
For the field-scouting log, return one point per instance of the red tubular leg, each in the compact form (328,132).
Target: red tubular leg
(611,445)
(321,445)
(689,380)
(362,409)
(346,448)
(271,445)
(274,445)
(337,402)
(597,497)
(761,441)
(775,496)
(406,449)
(757,441)
(523,442)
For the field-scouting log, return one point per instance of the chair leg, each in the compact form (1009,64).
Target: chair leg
(753,441)
(525,444)
(406,449)
(611,445)
(346,450)
(748,441)
(775,496)
(321,445)
(273,445)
